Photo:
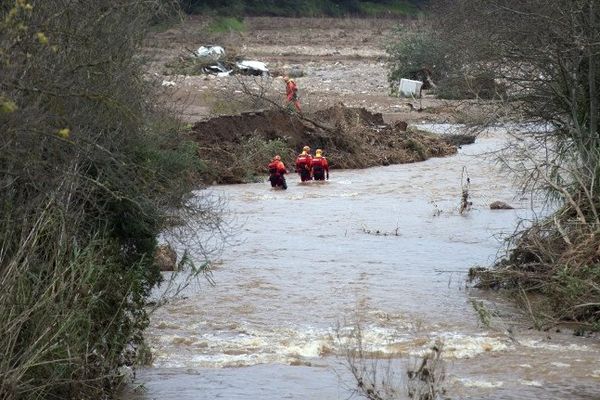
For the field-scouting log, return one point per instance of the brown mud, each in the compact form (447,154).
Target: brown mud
(350,137)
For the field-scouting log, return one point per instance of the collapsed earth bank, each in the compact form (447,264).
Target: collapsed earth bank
(237,148)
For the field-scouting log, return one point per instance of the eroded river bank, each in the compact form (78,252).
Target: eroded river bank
(309,264)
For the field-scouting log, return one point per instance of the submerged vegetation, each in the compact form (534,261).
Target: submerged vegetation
(90,172)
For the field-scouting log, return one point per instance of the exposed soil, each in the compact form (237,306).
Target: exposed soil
(351,138)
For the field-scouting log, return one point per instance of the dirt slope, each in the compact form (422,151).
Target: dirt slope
(237,148)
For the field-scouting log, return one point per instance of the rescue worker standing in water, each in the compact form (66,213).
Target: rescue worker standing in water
(291,93)
(277,171)
(319,166)
(303,164)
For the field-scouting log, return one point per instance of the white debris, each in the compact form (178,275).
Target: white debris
(216,69)
(210,51)
(253,67)
(169,83)
(410,88)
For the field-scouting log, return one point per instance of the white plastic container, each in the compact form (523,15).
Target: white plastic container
(410,88)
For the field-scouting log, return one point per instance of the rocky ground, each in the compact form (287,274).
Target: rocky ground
(341,60)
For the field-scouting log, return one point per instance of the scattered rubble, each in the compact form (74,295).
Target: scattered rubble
(213,60)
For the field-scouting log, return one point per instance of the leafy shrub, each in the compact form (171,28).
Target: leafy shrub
(413,50)
(90,171)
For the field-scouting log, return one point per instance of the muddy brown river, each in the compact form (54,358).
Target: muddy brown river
(310,263)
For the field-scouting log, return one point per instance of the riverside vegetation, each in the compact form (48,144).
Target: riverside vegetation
(91,170)
(539,62)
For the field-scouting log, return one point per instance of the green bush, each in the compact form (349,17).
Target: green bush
(91,170)
(413,50)
(420,49)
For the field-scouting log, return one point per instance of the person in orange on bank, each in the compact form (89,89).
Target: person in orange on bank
(319,166)
(291,93)
(277,171)
(303,162)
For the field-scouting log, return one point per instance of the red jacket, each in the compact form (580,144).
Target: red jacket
(320,162)
(303,161)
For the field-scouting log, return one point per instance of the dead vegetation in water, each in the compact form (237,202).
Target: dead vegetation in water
(426,377)
(552,267)
(377,378)
(379,232)
(557,258)
(351,138)
(465,203)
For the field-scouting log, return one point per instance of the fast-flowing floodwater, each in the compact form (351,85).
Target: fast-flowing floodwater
(385,247)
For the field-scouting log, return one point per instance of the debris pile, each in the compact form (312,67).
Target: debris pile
(351,138)
(213,60)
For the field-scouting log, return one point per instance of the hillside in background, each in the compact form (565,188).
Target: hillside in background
(305,8)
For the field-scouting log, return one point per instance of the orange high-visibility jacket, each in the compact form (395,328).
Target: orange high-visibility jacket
(291,89)
(276,166)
